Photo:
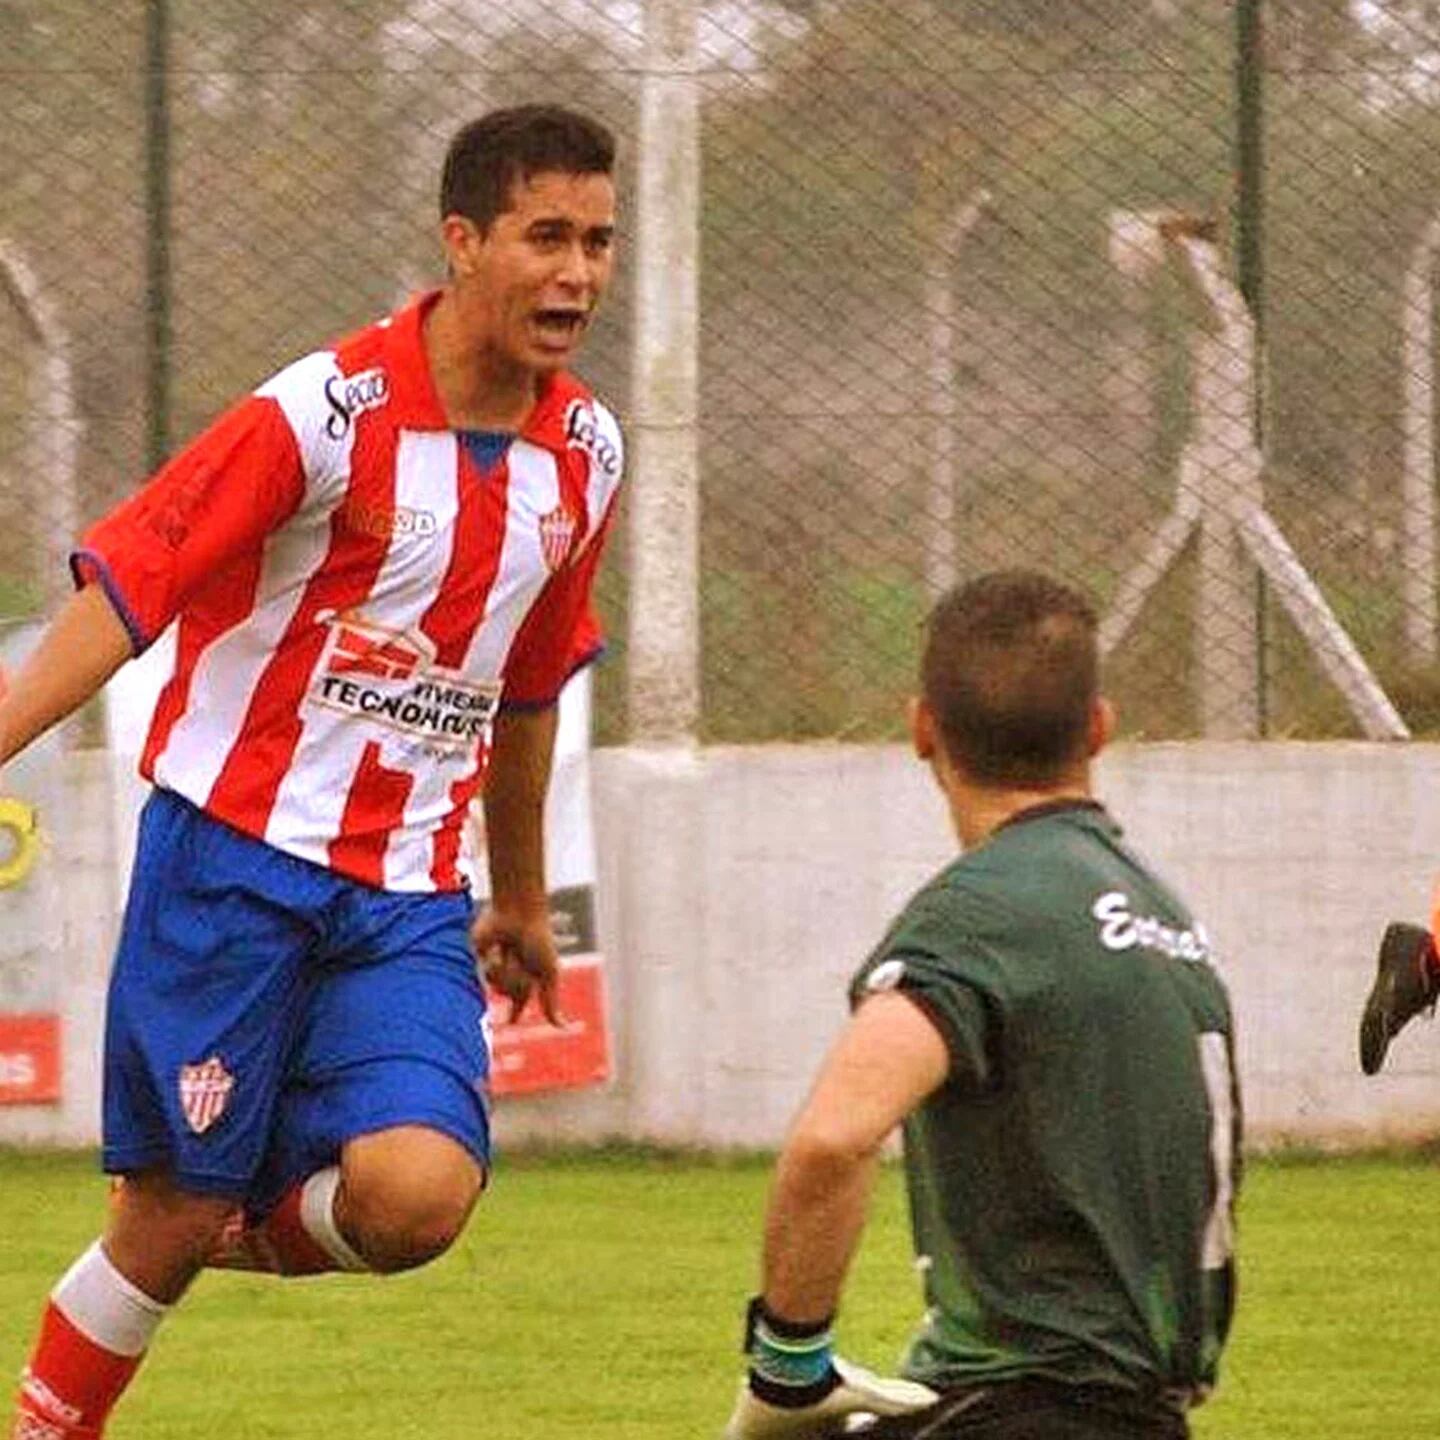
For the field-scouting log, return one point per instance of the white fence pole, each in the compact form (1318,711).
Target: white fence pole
(1417,488)
(1220,495)
(1222,463)
(51,452)
(660,1028)
(942,255)
(664,501)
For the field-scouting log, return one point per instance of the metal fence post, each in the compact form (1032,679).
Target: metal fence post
(54,428)
(158,331)
(1221,463)
(664,615)
(1417,486)
(1250,271)
(941,568)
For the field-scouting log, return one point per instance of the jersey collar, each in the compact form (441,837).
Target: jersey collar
(1047,808)
(415,403)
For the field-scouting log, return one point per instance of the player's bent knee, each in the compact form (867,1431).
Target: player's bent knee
(397,1226)
(407,1197)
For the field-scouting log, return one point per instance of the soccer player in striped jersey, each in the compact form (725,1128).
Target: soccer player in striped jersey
(1046,1020)
(379,566)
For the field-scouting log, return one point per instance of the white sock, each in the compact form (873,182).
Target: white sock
(317,1215)
(105,1307)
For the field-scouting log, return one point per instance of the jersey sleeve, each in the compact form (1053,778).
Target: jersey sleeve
(923,959)
(561,634)
(217,499)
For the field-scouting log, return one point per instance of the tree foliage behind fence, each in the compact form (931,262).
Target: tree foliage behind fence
(966,269)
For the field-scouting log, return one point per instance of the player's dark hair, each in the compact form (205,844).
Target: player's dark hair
(492,154)
(1011,670)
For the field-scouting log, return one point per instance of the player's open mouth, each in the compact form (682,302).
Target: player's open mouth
(560,326)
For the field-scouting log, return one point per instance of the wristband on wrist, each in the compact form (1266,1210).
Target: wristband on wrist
(791,1362)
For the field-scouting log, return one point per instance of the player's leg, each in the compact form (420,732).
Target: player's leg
(405,1194)
(208,969)
(394,1199)
(158,1234)
(1407,983)
(100,1318)
(381,1141)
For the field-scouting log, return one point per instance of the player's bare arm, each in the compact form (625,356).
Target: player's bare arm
(83,647)
(513,938)
(888,1059)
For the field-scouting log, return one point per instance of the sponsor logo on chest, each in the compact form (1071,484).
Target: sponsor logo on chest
(389,677)
(582,433)
(351,395)
(1122,929)
(400,521)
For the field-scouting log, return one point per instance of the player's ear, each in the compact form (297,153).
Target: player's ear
(1101,729)
(922,727)
(462,239)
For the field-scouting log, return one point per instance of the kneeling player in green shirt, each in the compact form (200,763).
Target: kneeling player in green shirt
(1046,1019)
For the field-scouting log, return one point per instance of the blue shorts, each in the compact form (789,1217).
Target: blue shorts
(263,1011)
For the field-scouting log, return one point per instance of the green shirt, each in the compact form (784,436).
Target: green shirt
(1071,1183)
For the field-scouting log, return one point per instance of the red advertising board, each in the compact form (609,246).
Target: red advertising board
(532,1054)
(29,1059)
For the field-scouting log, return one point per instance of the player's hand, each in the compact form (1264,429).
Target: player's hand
(518,958)
(857,1393)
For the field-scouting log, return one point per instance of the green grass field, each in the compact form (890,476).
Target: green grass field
(599,1295)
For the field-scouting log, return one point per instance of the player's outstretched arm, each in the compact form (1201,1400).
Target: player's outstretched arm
(513,939)
(888,1059)
(82,648)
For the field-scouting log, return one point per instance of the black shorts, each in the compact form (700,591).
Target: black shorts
(1036,1410)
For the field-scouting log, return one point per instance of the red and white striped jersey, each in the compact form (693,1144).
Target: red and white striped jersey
(356,594)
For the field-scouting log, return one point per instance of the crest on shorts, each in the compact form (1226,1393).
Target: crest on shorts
(204,1092)
(557,535)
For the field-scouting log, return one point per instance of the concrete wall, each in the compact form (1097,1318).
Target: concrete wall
(739,887)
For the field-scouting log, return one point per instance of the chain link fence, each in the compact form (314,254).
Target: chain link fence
(1141,293)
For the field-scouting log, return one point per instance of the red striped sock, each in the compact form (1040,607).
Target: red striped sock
(93,1335)
(71,1383)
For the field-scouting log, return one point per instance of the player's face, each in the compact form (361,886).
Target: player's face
(532,282)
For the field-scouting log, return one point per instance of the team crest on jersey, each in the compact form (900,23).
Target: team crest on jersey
(205,1092)
(557,535)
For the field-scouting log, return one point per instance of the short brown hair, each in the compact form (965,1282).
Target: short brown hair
(1011,670)
(505,147)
